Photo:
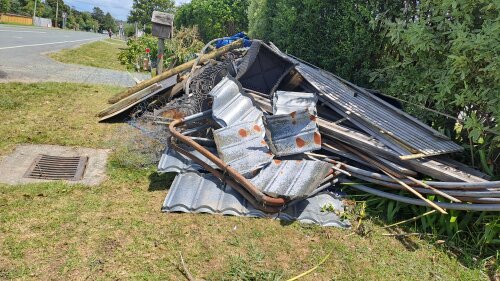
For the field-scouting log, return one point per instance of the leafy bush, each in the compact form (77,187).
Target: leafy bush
(445,55)
(132,56)
(215,18)
(334,35)
(177,50)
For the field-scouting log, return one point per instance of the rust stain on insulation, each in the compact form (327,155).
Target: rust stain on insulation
(243,133)
(300,142)
(317,138)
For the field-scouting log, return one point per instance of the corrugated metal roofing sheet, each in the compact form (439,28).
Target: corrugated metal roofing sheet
(291,178)
(395,125)
(203,193)
(293,133)
(230,106)
(172,161)
(242,146)
(288,102)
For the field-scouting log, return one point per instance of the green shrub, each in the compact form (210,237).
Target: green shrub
(132,56)
(178,50)
(446,55)
(334,35)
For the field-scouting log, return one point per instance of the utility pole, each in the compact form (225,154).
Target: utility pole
(64,15)
(34,11)
(57,13)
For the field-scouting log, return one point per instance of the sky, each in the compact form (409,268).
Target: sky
(119,9)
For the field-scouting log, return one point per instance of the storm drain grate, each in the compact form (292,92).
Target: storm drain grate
(57,168)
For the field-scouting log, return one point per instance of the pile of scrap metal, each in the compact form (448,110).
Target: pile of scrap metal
(256,132)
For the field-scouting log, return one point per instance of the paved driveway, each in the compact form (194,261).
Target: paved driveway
(22,57)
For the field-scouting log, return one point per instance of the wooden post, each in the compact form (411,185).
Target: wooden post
(159,60)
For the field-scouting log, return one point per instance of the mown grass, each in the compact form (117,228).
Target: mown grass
(116,230)
(103,54)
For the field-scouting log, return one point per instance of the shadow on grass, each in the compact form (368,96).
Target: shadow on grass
(159,182)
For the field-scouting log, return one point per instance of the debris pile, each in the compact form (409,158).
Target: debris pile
(252,131)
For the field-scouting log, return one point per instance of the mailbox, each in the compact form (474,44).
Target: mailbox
(163,25)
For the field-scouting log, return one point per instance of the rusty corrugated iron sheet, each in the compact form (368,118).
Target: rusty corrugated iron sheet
(242,146)
(392,125)
(293,133)
(291,179)
(192,192)
(230,106)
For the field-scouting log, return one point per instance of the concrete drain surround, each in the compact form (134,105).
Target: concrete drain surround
(43,163)
(50,167)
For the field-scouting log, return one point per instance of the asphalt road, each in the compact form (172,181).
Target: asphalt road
(23,57)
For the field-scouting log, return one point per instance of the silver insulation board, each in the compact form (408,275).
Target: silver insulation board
(242,146)
(230,106)
(287,102)
(293,133)
(203,193)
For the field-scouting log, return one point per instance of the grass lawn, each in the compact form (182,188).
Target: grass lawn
(103,54)
(116,230)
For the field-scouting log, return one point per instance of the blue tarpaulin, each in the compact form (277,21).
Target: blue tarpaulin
(228,40)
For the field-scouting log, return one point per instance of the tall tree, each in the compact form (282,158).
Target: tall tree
(109,23)
(98,15)
(142,10)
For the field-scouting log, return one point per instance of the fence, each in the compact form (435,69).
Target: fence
(42,22)
(16,19)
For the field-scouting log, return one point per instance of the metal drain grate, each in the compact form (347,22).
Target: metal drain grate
(57,168)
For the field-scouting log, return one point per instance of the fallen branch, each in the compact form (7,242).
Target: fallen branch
(186,270)
(312,269)
(411,219)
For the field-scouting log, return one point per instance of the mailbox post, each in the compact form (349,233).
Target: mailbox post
(163,24)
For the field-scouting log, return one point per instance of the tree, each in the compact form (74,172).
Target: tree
(98,15)
(142,10)
(15,6)
(109,23)
(214,18)
(5,6)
